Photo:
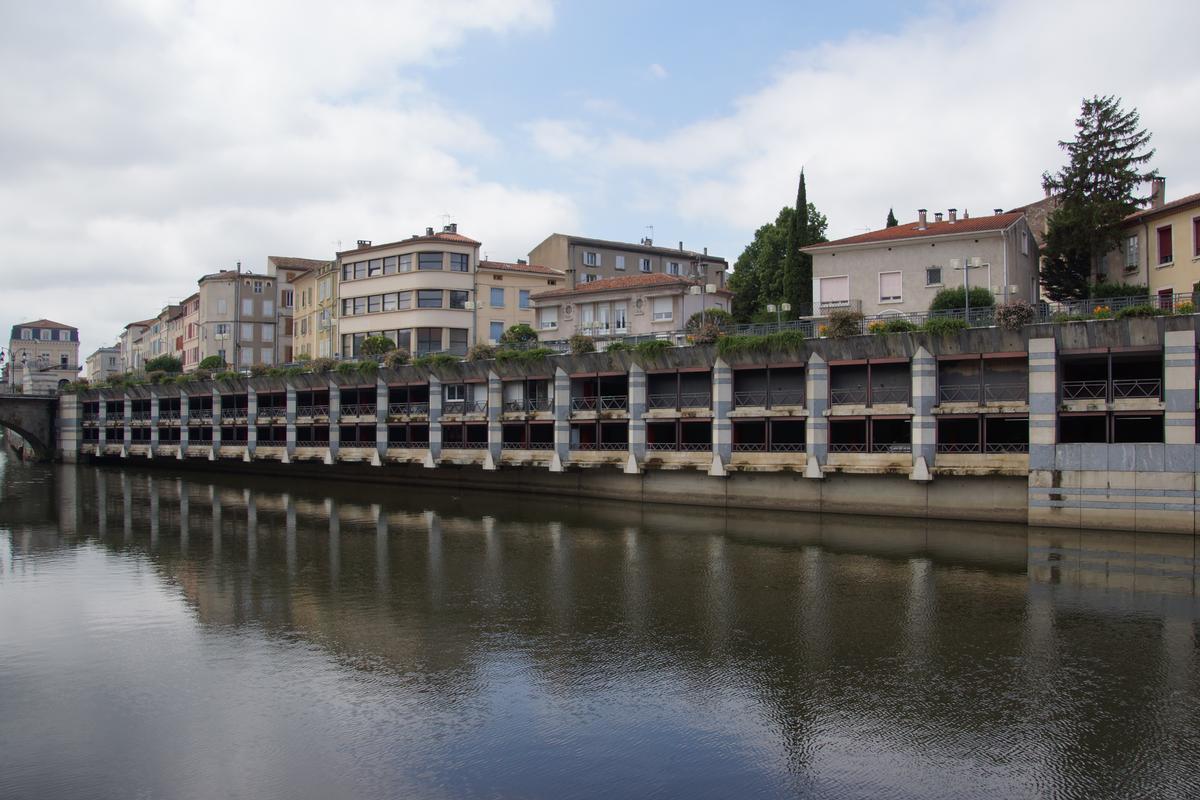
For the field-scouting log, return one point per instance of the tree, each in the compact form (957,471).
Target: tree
(891,220)
(757,277)
(1096,190)
(518,334)
(377,345)
(797,266)
(169,364)
(212,362)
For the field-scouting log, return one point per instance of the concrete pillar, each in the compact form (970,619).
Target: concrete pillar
(335,416)
(637,411)
(816,428)
(1179,390)
(154,414)
(722,427)
(924,426)
(290,418)
(381,408)
(70,413)
(1043,410)
(435,421)
(562,420)
(216,420)
(495,432)
(127,435)
(184,419)
(251,420)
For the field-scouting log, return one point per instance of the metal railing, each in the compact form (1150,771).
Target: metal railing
(272,412)
(312,443)
(968,393)
(527,445)
(1007,447)
(889,394)
(600,403)
(891,447)
(774,447)
(604,446)
(169,414)
(1149,388)
(1085,390)
(752,399)
(401,409)
(953,447)
(1006,392)
(356,445)
(787,397)
(200,416)
(140,416)
(464,445)
(271,443)
(233,413)
(848,447)
(312,411)
(358,410)
(848,397)
(464,407)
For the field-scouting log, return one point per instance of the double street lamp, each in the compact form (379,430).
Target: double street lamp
(776,309)
(966,266)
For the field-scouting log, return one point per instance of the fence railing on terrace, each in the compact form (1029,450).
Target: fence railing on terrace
(608,402)
(358,410)
(272,412)
(313,411)
(402,409)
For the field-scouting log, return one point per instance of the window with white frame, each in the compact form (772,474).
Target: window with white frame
(588,277)
(933,276)
(1024,243)
(246,356)
(222,306)
(268,332)
(591,259)
(266,356)
(27,334)
(523,298)
(45,334)
(495,331)
(247,332)
(548,318)
(645,265)
(268,308)
(258,287)
(496,297)
(890,285)
(220,330)
(833,291)
(619,262)
(1131,252)
(247,307)
(662,308)
(672,267)
(286,298)
(620,319)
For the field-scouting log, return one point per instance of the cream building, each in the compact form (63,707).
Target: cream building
(584,259)
(189,325)
(102,364)
(287,271)
(237,318)
(132,343)
(505,293)
(48,348)
(1160,246)
(315,314)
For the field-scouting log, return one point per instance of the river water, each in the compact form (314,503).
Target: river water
(207,635)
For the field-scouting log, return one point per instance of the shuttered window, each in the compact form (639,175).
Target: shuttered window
(1165,252)
(889,287)
(835,291)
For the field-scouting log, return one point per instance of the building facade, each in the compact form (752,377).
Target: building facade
(102,364)
(132,343)
(287,272)
(900,269)
(315,314)
(634,305)
(505,293)
(237,318)
(1160,246)
(48,348)
(584,259)
(419,292)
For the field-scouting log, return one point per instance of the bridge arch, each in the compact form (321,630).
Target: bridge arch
(32,418)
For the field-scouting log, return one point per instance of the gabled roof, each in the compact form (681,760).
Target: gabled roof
(1165,208)
(654,280)
(288,262)
(145,323)
(45,323)
(911,230)
(505,266)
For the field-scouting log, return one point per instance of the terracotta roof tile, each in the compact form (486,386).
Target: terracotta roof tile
(289,262)
(909,230)
(1165,208)
(45,323)
(505,266)
(653,280)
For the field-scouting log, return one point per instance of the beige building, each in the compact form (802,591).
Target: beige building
(505,292)
(1160,246)
(49,349)
(102,364)
(237,318)
(189,324)
(132,343)
(418,292)
(633,305)
(287,271)
(900,269)
(315,314)
(584,260)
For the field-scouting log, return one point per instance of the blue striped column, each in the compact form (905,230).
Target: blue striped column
(216,422)
(816,433)
(289,416)
(562,420)
(335,419)
(637,417)
(924,426)
(185,418)
(722,427)
(381,410)
(1179,392)
(495,433)
(1046,505)
(70,412)
(251,421)
(435,421)
(154,414)
(127,433)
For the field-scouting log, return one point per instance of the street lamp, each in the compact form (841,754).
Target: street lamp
(776,309)
(966,267)
(702,289)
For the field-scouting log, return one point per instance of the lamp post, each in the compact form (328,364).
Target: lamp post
(776,309)
(702,289)
(966,266)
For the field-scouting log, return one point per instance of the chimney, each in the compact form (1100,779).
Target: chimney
(1158,192)
(364,243)
(953,215)
(966,214)
(681,245)
(937,216)
(706,251)
(522,261)
(429,231)
(997,211)
(921,223)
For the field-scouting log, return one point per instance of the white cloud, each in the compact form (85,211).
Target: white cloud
(949,111)
(149,141)
(657,71)
(560,139)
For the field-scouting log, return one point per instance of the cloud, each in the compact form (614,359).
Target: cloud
(146,142)
(657,71)
(951,110)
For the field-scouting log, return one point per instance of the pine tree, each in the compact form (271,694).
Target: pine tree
(891,220)
(797,266)
(1096,192)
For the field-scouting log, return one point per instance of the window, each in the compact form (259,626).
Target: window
(389,265)
(258,287)
(833,291)
(286,298)
(246,356)
(1165,254)
(220,330)
(933,276)
(62,360)
(523,298)
(458,341)
(620,320)
(429,340)
(619,263)
(404,300)
(429,298)
(360,305)
(591,259)
(44,334)
(455,393)
(247,332)
(497,297)
(360,270)
(1024,243)
(247,307)
(404,340)
(890,287)
(495,331)
(323,292)
(222,306)
(268,332)
(1131,253)
(406,263)
(429,261)
(304,327)
(389,301)
(548,318)
(268,308)
(662,309)
(27,334)
(64,336)
(645,265)
(375,267)
(458,299)
(1196,237)
(266,356)
(459,262)
(588,277)
(672,267)
(347,307)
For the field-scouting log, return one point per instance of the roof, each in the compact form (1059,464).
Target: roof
(1165,208)
(505,266)
(439,237)
(654,280)
(145,323)
(642,248)
(909,230)
(44,323)
(288,262)
(232,275)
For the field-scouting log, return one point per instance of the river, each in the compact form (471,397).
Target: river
(197,635)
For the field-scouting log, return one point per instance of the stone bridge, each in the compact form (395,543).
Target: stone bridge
(33,419)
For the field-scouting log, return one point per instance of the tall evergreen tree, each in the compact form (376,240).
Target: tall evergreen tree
(1097,190)
(797,266)
(757,278)
(891,220)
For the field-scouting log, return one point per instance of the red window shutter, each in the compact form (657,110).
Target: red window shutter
(1165,256)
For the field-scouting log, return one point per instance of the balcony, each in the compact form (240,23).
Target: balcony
(228,414)
(407,409)
(272,412)
(856,396)
(1124,389)
(527,445)
(358,410)
(680,400)
(529,405)
(601,403)
(464,407)
(774,447)
(601,446)
(312,411)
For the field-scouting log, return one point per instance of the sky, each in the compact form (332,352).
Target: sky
(144,143)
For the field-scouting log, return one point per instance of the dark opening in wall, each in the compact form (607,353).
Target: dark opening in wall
(199,434)
(477,434)
(1137,428)
(891,435)
(513,434)
(749,434)
(660,434)
(614,433)
(848,435)
(958,435)
(397,435)
(788,433)
(541,433)
(1083,428)
(695,434)
(1006,434)
(168,435)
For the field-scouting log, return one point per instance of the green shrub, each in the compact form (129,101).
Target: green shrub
(164,364)
(347,368)
(519,334)
(377,345)
(843,323)
(771,344)
(435,360)
(481,352)
(212,363)
(898,325)
(276,372)
(368,368)
(302,358)
(618,346)
(1186,307)
(1014,316)
(652,347)
(957,298)
(322,366)
(1145,310)
(227,375)
(396,358)
(944,325)
(706,333)
(581,344)
(1063,316)
(156,376)
(1105,289)
(717,316)
(201,374)
(293,371)
(259,370)
(524,356)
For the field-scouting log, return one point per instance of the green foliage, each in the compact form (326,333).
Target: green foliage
(396,358)
(481,352)
(322,366)
(201,374)
(435,360)
(651,347)
(164,364)
(757,277)
(293,371)
(898,325)
(1014,316)
(618,347)
(347,368)
(707,333)
(227,375)
(259,370)
(1105,167)
(718,315)
(955,298)
(156,376)
(1145,310)
(1062,317)
(1186,307)
(1106,289)
(843,323)
(797,266)
(212,363)
(368,368)
(518,334)
(302,358)
(581,344)
(377,345)
(524,356)
(944,325)
(891,219)
(75,387)
(772,344)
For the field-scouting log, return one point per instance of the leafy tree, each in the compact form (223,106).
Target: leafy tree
(891,220)
(164,364)
(946,299)
(718,315)
(377,345)
(1105,168)
(757,277)
(521,332)
(212,363)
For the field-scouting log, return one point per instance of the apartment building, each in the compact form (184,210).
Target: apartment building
(287,270)
(505,294)
(584,259)
(132,343)
(189,333)
(418,292)
(237,318)
(315,314)
(900,269)
(102,364)
(632,305)
(48,348)
(1160,246)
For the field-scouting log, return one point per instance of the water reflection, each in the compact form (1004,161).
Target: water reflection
(474,644)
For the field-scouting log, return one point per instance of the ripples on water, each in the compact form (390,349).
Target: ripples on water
(206,635)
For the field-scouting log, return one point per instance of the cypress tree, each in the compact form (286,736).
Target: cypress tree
(797,266)
(891,220)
